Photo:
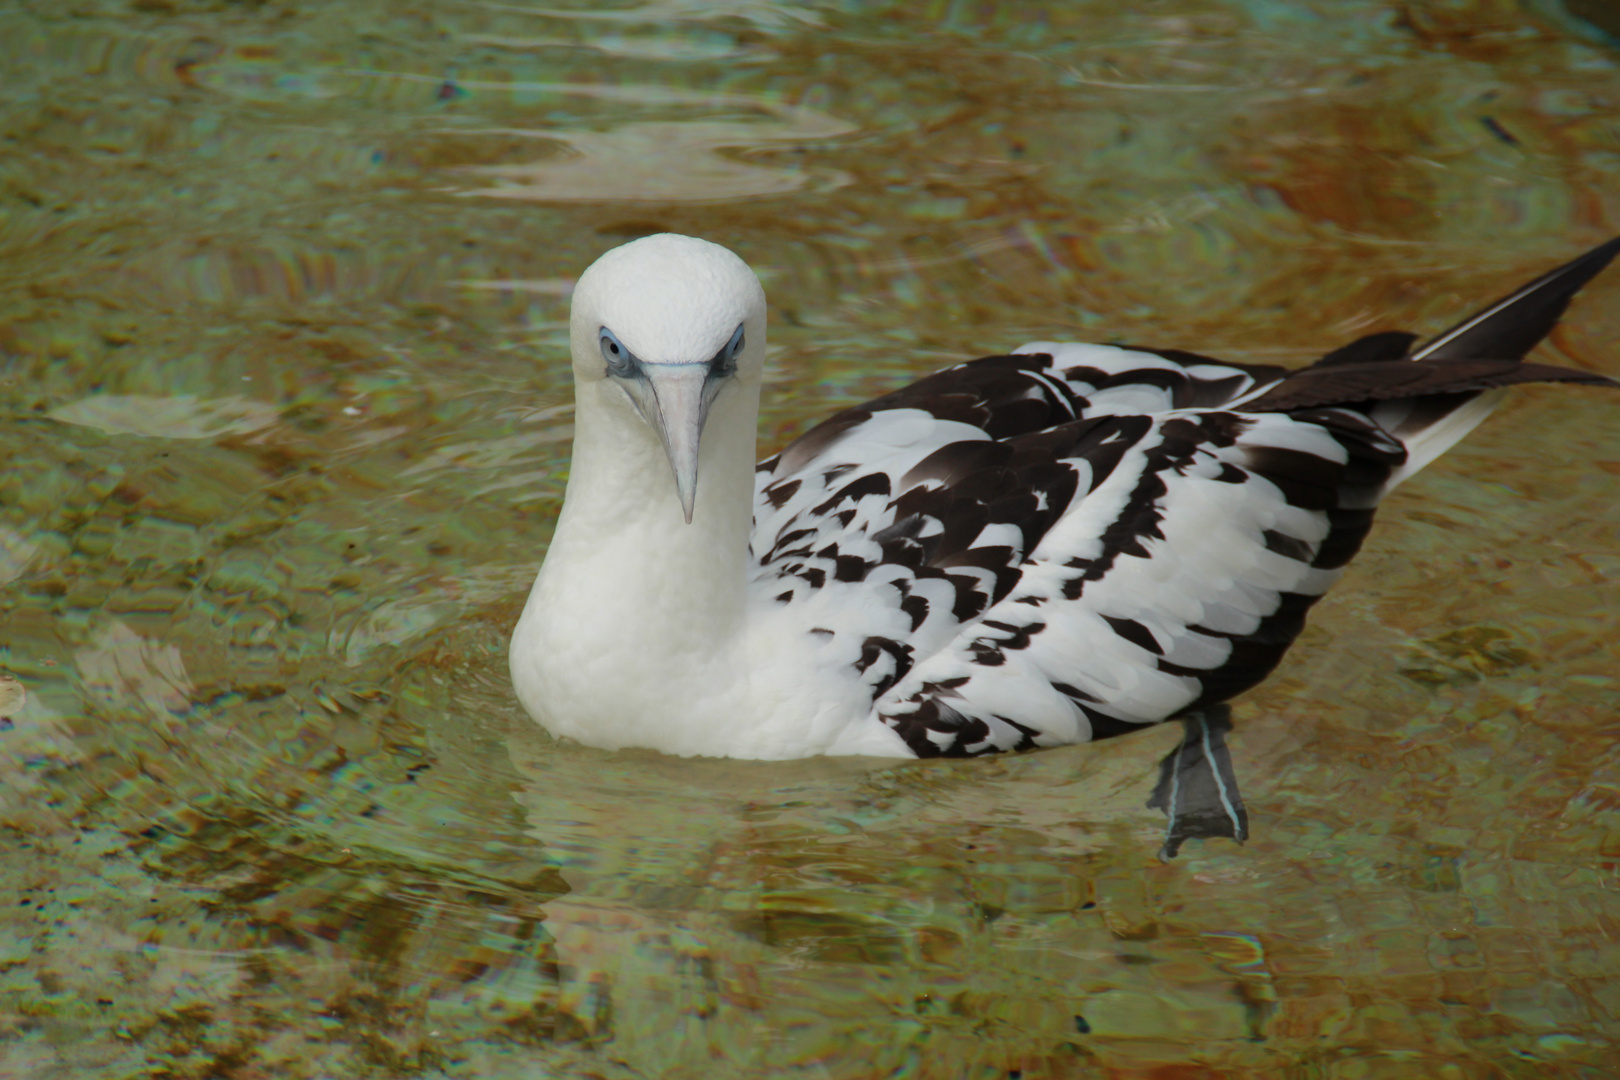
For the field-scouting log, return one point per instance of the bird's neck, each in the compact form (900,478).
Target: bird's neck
(623,562)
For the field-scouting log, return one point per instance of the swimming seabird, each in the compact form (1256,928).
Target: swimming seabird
(1060,544)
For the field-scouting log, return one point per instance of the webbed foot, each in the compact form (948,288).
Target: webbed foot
(1197,789)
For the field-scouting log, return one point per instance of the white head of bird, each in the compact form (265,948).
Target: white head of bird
(669,326)
(639,613)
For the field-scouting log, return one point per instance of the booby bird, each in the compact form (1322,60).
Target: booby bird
(1063,543)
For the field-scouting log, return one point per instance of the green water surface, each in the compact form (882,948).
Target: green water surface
(284,425)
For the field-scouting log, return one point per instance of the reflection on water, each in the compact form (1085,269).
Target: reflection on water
(283,300)
(661,161)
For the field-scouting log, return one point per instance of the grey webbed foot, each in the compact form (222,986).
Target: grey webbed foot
(1197,789)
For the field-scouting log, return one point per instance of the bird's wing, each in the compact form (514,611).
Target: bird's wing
(908,534)
(1176,574)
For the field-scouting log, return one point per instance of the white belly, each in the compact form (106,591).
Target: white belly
(765,693)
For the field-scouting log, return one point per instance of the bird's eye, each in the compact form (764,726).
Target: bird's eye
(619,360)
(725,361)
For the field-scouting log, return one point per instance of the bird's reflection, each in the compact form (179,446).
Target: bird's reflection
(708,896)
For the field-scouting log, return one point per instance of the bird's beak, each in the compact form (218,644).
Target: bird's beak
(674,400)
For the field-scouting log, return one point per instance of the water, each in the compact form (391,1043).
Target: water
(283,295)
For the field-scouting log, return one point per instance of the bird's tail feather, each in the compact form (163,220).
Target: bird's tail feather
(1515,324)
(1431,397)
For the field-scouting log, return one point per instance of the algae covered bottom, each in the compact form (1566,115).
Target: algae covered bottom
(284,423)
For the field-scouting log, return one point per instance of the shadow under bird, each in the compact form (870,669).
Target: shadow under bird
(1061,544)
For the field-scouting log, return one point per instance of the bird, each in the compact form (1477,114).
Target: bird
(1064,543)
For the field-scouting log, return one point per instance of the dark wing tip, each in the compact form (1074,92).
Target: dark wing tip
(1480,353)
(1389,345)
(1354,384)
(1512,326)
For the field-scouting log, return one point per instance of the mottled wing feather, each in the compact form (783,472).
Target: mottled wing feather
(1179,580)
(926,529)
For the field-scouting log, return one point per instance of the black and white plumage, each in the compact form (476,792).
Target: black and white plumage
(1059,544)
